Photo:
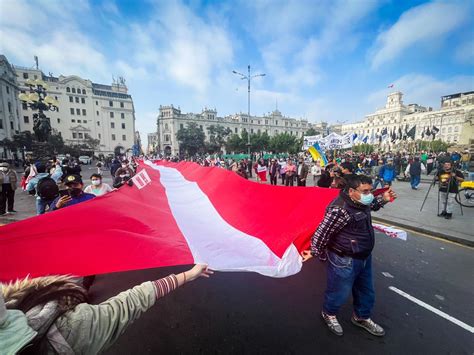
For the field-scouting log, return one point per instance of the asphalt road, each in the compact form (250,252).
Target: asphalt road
(245,313)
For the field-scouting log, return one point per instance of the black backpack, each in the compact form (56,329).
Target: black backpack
(47,188)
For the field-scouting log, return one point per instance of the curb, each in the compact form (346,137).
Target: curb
(451,238)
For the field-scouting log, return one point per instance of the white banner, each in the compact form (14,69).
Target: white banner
(308,141)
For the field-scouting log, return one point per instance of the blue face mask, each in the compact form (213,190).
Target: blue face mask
(366,199)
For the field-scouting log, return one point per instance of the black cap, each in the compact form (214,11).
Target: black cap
(71,179)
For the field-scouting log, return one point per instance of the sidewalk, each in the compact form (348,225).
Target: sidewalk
(405,213)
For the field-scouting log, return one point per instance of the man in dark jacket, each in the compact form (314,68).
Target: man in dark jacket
(347,233)
(415,168)
(302,172)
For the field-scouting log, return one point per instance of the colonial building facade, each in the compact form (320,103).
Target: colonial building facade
(86,110)
(9,105)
(170,120)
(455,118)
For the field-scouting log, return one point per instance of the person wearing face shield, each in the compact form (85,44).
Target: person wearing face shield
(73,194)
(347,235)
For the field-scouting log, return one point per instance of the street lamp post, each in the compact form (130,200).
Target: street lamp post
(39,100)
(248,78)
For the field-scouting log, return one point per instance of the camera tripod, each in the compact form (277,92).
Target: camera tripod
(433,183)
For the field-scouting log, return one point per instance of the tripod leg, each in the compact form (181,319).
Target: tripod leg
(438,202)
(459,198)
(426,196)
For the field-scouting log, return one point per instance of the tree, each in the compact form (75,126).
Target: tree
(191,139)
(363,148)
(311,132)
(259,142)
(434,146)
(284,143)
(235,144)
(217,138)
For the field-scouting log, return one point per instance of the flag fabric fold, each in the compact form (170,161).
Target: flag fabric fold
(174,214)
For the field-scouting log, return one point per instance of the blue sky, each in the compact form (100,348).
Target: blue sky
(323,60)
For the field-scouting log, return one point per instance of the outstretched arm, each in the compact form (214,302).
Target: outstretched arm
(94,328)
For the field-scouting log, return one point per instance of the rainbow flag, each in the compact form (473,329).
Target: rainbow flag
(317,153)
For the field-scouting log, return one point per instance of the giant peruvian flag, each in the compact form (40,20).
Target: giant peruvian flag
(174,214)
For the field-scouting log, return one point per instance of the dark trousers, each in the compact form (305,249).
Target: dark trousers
(273,179)
(7,198)
(283,179)
(429,168)
(289,180)
(301,182)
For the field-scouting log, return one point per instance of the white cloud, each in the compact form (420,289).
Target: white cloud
(419,25)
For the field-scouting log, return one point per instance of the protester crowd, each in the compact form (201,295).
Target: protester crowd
(52,314)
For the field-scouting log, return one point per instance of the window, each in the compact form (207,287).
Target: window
(236,130)
(99,136)
(83,91)
(166,126)
(35,76)
(26,119)
(112,125)
(73,120)
(450,129)
(8,90)
(79,121)
(167,138)
(98,123)
(77,99)
(24,106)
(68,89)
(266,121)
(1,124)
(122,105)
(78,111)
(96,102)
(80,135)
(97,113)
(111,104)
(84,112)
(111,115)
(113,137)
(11,125)
(181,126)
(9,107)
(74,135)
(83,100)
(124,137)
(456,129)
(71,99)
(73,90)
(122,115)
(25,75)
(200,126)
(251,130)
(123,125)
(59,120)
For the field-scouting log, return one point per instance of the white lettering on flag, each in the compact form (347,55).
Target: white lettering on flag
(141,179)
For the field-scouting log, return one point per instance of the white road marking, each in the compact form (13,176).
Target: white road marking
(387,274)
(434,310)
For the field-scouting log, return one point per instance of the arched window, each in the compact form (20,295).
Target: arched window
(456,129)
(68,89)
(83,91)
(166,126)
(450,129)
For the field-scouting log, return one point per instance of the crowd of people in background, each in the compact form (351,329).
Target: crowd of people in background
(59,183)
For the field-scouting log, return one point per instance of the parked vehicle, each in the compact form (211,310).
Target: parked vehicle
(84,159)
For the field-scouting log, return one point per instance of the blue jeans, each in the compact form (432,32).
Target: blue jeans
(345,274)
(41,205)
(414,180)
